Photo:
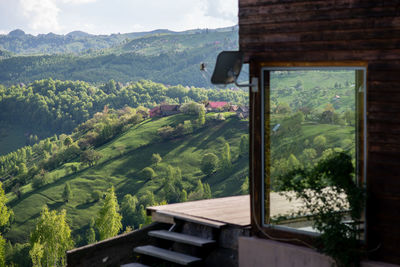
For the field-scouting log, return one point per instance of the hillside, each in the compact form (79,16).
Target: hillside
(169,58)
(18,42)
(122,163)
(47,107)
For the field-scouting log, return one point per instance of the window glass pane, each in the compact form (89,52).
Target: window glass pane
(309,115)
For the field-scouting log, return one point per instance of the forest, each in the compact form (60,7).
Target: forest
(168,58)
(46,107)
(120,157)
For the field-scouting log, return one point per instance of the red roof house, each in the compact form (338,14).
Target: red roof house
(214,106)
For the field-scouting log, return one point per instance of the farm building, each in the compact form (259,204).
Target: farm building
(216,106)
(164,110)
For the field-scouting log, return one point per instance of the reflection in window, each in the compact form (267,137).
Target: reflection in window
(310,115)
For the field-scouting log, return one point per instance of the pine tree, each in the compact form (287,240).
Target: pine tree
(226,163)
(2,251)
(207,191)
(91,234)
(184,195)
(108,222)
(244,146)
(245,186)
(67,194)
(5,214)
(50,239)
(202,117)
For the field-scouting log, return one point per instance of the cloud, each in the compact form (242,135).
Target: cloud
(78,2)
(41,14)
(222,9)
(105,16)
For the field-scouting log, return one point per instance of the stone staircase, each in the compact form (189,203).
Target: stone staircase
(184,244)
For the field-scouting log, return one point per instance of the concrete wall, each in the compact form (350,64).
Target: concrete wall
(257,252)
(113,251)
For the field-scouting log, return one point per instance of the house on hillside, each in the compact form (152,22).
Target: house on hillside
(168,110)
(242,112)
(164,110)
(248,230)
(217,106)
(154,112)
(145,113)
(233,108)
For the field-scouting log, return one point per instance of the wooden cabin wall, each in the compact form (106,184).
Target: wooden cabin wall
(342,31)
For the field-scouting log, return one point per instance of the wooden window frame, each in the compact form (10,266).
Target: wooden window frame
(257,121)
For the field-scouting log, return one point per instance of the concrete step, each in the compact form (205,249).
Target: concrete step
(134,265)
(182,238)
(167,255)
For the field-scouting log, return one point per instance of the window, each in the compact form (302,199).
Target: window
(308,113)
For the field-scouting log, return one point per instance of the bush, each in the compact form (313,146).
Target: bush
(166,132)
(209,163)
(148,173)
(40,180)
(192,108)
(97,195)
(156,158)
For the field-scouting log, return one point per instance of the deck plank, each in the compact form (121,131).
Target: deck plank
(228,210)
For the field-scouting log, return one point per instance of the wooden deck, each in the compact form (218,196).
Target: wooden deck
(218,212)
(215,212)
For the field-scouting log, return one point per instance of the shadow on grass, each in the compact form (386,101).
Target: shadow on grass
(55,206)
(86,205)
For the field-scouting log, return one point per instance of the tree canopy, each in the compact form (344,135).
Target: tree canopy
(50,239)
(108,222)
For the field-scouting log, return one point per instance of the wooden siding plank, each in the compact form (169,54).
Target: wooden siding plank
(385,23)
(262,15)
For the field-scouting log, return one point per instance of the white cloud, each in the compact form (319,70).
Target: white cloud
(211,14)
(106,16)
(78,2)
(41,14)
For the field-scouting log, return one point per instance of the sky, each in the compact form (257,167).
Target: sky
(114,16)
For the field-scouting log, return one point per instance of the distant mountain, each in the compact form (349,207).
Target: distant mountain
(78,34)
(16,33)
(75,42)
(160,56)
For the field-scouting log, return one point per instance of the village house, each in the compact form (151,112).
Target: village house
(242,112)
(217,106)
(164,110)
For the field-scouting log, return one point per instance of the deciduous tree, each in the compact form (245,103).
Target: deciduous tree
(50,239)
(4,218)
(156,158)
(108,222)
(209,163)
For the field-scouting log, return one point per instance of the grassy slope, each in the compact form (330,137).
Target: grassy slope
(334,134)
(123,171)
(323,79)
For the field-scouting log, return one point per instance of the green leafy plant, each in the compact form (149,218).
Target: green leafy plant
(329,193)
